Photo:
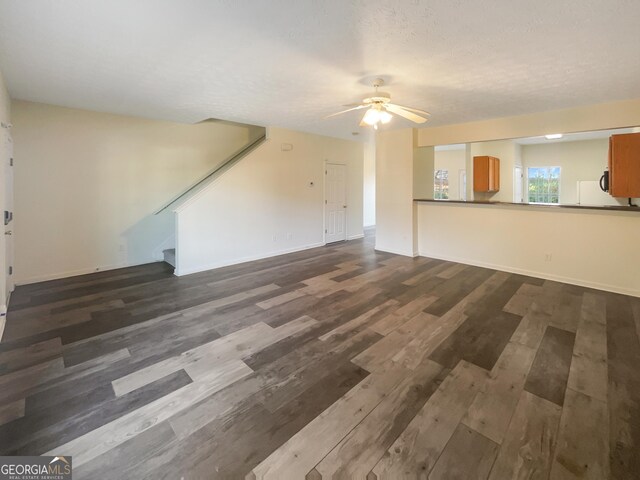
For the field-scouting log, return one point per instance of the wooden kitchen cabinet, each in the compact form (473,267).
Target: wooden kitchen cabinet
(486,174)
(624,165)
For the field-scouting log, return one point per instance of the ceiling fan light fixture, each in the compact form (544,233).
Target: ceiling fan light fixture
(371,117)
(380,110)
(375,115)
(385,117)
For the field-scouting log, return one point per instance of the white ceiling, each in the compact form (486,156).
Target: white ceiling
(289,63)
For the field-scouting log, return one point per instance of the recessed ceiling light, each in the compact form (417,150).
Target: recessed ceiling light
(553,136)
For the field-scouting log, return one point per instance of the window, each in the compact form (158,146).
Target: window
(441,185)
(543,184)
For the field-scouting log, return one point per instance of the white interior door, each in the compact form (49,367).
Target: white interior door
(7,159)
(462,184)
(518,181)
(335,212)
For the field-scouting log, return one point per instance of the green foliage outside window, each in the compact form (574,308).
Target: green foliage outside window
(543,184)
(441,185)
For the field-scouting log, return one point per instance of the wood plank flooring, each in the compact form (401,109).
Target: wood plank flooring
(337,362)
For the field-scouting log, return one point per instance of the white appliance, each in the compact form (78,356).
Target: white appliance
(589,193)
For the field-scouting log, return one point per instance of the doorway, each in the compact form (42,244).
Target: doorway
(335,203)
(518,180)
(462,184)
(6,267)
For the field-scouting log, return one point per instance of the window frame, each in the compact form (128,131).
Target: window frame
(441,183)
(549,170)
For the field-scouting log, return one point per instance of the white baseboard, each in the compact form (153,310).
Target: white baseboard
(395,252)
(354,237)
(533,273)
(225,263)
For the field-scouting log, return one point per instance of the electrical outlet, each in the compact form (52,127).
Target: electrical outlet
(289,236)
(547,257)
(275,237)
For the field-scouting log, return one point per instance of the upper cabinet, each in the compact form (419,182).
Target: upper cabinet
(486,174)
(624,165)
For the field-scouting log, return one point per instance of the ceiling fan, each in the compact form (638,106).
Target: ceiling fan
(380,110)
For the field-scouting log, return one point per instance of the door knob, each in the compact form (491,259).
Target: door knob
(344,206)
(8,232)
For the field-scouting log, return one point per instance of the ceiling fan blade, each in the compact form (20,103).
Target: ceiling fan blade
(404,113)
(410,109)
(348,110)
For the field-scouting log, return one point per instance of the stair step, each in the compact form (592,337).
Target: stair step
(170,256)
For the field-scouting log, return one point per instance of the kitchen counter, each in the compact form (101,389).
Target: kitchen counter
(616,208)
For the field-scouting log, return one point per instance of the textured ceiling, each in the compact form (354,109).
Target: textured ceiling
(289,63)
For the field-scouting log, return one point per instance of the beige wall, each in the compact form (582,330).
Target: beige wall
(265,205)
(394,192)
(5,102)
(578,161)
(590,248)
(423,168)
(604,116)
(369,191)
(87,185)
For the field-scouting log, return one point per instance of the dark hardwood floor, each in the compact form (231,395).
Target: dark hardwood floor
(336,362)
